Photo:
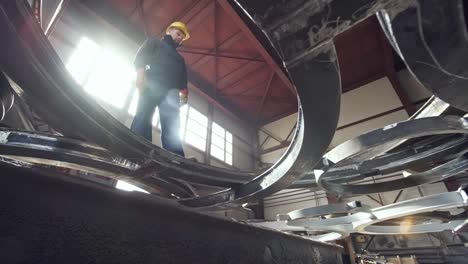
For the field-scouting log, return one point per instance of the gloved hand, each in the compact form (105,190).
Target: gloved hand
(183,95)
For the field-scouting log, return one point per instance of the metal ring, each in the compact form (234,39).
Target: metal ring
(414,206)
(413,228)
(44,149)
(370,145)
(323,210)
(47,75)
(432,42)
(365,222)
(340,233)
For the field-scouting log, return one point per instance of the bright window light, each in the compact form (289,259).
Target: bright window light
(221,143)
(183,119)
(82,60)
(197,129)
(111,79)
(125,186)
(101,72)
(217,152)
(134,103)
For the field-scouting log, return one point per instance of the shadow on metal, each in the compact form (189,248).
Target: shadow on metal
(431,38)
(50,218)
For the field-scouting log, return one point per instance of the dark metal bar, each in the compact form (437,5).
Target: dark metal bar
(375,200)
(271,135)
(398,196)
(368,243)
(264,141)
(283,144)
(217,54)
(291,131)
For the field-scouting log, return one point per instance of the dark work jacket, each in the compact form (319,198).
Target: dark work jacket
(166,66)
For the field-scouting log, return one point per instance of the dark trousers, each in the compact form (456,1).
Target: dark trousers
(168,102)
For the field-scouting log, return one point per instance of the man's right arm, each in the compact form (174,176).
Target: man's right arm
(141,60)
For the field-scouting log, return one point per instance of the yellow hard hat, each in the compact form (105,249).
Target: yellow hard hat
(180,26)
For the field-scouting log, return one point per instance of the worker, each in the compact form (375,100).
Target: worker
(162,82)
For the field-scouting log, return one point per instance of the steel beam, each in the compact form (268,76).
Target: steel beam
(223,45)
(282,145)
(217,54)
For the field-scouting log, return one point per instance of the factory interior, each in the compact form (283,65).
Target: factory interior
(312,131)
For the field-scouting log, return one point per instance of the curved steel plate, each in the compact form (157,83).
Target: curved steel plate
(30,61)
(431,38)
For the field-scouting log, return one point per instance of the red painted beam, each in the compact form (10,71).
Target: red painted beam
(254,41)
(241,73)
(224,45)
(184,12)
(210,53)
(245,91)
(246,98)
(264,97)
(200,16)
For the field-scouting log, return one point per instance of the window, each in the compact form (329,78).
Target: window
(101,72)
(221,144)
(197,126)
(193,128)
